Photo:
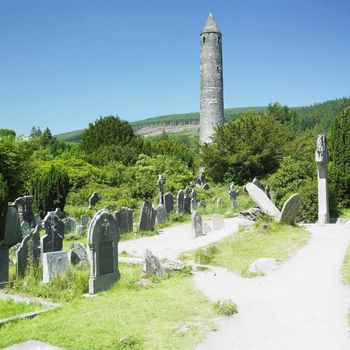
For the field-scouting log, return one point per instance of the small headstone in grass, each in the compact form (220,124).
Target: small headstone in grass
(103,238)
(93,200)
(219,203)
(290,209)
(151,265)
(169,202)
(4,265)
(54,233)
(180,201)
(13,232)
(28,252)
(196,221)
(78,254)
(70,225)
(162,215)
(54,264)
(85,220)
(202,204)
(218,222)
(147,217)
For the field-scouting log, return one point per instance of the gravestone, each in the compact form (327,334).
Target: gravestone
(263,202)
(4,265)
(233,193)
(196,221)
(290,209)
(93,200)
(162,215)
(219,203)
(257,183)
(37,218)
(193,199)
(187,203)
(25,228)
(147,217)
(103,237)
(78,254)
(13,232)
(54,233)
(28,252)
(169,202)
(202,204)
(54,264)
(80,230)
(180,198)
(25,210)
(85,220)
(206,228)
(151,265)
(160,184)
(124,219)
(70,225)
(59,213)
(217,222)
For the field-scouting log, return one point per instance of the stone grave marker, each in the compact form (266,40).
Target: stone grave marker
(93,200)
(4,265)
(54,264)
(290,209)
(151,265)
(162,215)
(85,220)
(54,233)
(202,204)
(217,222)
(147,217)
(70,225)
(78,254)
(103,237)
(180,198)
(187,204)
(28,252)
(26,229)
(196,221)
(124,219)
(37,218)
(25,210)
(13,232)
(59,213)
(219,203)
(169,202)
(193,199)
(80,230)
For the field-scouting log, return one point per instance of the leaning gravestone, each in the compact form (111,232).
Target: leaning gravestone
(78,254)
(54,264)
(70,225)
(290,209)
(28,252)
(54,233)
(147,217)
(196,221)
(218,222)
(93,200)
(162,215)
(103,237)
(169,202)
(180,201)
(263,201)
(13,232)
(4,265)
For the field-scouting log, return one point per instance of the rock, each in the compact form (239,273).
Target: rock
(151,265)
(263,201)
(250,214)
(171,265)
(218,222)
(263,266)
(143,282)
(70,225)
(290,209)
(80,230)
(78,254)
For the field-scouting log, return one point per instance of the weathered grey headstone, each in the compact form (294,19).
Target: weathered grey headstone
(4,264)
(28,252)
(147,217)
(85,220)
(321,158)
(233,193)
(206,228)
(193,199)
(37,218)
(263,202)
(180,201)
(290,209)
(202,204)
(124,219)
(160,184)
(151,265)
(70,225)
(80,230)
(219,203)
(59,213)
(13,232)
(257,183)
(54,233)
(78,254)
(196,221)
(162,215)
(54,264)
(187,204)
(103,237)
(25,210)
(218,222)
(93,200)
(26,229)
(169,202)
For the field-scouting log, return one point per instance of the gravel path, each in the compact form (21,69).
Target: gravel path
(302,305)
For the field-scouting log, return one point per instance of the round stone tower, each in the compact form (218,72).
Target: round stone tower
(212,92)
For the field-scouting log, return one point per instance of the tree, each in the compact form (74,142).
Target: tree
(283,114)
(246,147)
(50,190)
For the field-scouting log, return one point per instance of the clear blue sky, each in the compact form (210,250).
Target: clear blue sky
(64,63)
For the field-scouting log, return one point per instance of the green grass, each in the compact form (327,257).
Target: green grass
(346,267)
(125,317)
(344,213)
(261,240)
(9,308)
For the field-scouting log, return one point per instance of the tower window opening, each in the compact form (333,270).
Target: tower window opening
(203,39)
(217,68)
(218,40)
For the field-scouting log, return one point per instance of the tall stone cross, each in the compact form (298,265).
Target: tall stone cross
(321,158)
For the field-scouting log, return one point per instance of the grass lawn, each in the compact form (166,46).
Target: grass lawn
(344,213)
(124,317)
(9,308)
(261,240)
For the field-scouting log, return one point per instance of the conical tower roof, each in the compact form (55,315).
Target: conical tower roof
(210,26)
